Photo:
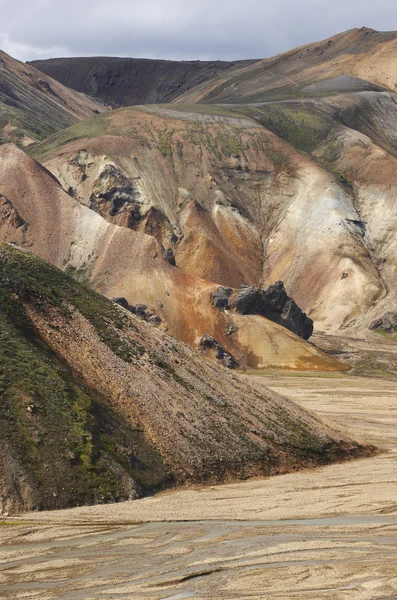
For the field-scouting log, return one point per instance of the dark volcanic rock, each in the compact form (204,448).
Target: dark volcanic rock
(274,304)
(114,193)
(388,322)
(207,342)
(220,298)
(169,256)
(122,302)
(140,310)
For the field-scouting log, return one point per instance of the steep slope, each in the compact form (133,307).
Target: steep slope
(98,406)
(355,60)
(118,262)
(34,106)
(129,81)
(291,179)
(235,203)
(354,137)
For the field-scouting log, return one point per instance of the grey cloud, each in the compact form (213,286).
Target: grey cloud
(177,29)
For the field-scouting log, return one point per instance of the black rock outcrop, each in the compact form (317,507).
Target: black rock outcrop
(121,302)
(272,303)
(170,257)
(140,310)
(207,342)
(388,322)
(220,298)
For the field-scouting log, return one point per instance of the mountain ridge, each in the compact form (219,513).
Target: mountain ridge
(128,81)
(350,43)
(34,106)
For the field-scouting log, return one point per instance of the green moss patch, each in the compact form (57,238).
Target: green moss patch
(302,128)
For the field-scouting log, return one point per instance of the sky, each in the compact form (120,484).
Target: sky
(180,29)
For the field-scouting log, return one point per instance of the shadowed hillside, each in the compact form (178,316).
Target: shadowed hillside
(129,81)
(34,106)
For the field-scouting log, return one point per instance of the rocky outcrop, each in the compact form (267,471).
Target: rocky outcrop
(121,302)
(388,322)
(207,342)
(170,257)
(114,193)
(140,310)
(272,303)
(220,298)
(13,228)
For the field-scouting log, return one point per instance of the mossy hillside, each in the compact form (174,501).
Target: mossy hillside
(303,128)
(74,447)
(222,139)
(215,110)
(33,280)
(87,129)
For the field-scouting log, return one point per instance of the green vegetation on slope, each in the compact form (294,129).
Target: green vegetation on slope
(89,128)
(222,138)
(74,447)
(302,128)
(162,138)
(22,124)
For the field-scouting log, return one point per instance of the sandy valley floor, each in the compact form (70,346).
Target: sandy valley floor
(329,534)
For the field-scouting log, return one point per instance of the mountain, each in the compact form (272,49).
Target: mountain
(34,106)
(289,176)
(128,81)
(352,61)
(222,225)
(235,202)
(98,405)
(119,262)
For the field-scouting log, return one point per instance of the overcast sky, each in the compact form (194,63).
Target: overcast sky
(180,29)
